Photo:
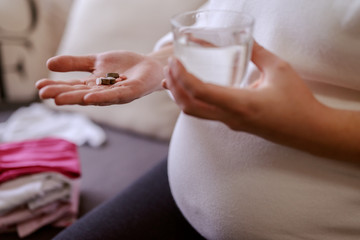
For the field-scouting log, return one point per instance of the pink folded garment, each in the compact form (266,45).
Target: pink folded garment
(73,212)
(42,155)
(24,214)
(63,216)
(26,228)
(58,213)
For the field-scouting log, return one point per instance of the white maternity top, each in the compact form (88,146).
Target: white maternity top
(233,185)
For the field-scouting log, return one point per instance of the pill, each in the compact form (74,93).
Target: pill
(114,75)
(105,81)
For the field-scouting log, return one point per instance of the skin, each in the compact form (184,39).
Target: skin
(278,106)
(142,75)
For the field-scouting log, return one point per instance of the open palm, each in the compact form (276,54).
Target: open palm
(143,76)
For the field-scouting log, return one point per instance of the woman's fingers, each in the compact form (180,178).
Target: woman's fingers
(46,82)
(263,58)
(115,95)
(72,97)
(87,95)
(52,91)
(66,63)
(219,96)
(185,100)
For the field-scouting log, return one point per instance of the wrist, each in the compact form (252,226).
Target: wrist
(162,55)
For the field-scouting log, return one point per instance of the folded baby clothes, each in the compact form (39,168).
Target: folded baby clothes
(37,121)
(72,214)
(24,214)
(39,184)
(51,196)
(59,213)
(34,191)
(35,156)
(26,228)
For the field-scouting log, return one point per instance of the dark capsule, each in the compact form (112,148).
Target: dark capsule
(114,75)
(105,81)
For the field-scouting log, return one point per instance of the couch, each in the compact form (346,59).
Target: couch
(138,133)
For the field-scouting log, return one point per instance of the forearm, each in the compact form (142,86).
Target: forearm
(330,133)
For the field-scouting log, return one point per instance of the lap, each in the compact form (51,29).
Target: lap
(145,210)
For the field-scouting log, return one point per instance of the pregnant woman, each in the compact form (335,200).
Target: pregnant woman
(278,159)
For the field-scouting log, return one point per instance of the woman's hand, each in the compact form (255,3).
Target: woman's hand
(278,106)
(277,98)
(143,76)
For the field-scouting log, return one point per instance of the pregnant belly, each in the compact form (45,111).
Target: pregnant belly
(237,186)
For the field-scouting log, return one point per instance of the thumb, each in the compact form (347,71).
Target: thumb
(66,63)
(262,57)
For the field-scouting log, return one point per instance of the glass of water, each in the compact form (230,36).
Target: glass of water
(214,45)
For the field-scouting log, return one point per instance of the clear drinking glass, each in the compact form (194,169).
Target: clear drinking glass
(214,45)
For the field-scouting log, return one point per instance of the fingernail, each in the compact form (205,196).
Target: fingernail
(163,83)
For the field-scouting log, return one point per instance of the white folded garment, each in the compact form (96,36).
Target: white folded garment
(59,194)
(34,191)
(38,121)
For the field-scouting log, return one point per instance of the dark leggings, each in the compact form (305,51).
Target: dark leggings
(145,210)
